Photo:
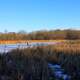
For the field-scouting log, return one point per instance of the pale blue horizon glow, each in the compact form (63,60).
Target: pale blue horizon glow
(32,15)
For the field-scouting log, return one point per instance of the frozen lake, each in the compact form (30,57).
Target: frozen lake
(8,47)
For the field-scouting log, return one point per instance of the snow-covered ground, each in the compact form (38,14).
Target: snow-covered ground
(58,72)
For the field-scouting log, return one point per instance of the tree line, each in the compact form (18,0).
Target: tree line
(42,35)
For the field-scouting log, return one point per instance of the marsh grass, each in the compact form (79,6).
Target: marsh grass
(32,63)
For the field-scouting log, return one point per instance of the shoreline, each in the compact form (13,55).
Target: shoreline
(27,41)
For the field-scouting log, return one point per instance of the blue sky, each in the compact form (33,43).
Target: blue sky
(32,15)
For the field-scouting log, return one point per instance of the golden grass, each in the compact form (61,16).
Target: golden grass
(71,47)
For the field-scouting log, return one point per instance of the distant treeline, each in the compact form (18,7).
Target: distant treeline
(42,35)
